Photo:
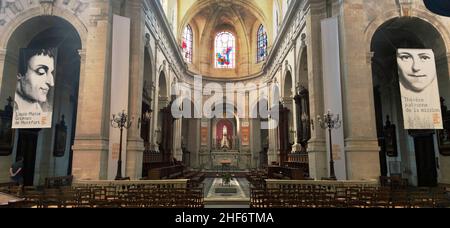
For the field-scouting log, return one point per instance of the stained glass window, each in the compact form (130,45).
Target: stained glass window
(187,44)
(225,50)
(262,44)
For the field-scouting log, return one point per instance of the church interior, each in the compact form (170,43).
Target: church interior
(223,104)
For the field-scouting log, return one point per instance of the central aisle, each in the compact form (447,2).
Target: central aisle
(240,199)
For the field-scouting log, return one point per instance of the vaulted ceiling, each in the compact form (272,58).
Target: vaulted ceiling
(240,17)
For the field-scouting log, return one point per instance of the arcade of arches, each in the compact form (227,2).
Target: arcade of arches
(274,44)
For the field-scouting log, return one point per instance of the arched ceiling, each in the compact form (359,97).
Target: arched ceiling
(245,12)
(208,17)
(189,9)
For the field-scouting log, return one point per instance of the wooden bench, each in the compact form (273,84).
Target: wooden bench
(58,182)
(171,172)
(278,172)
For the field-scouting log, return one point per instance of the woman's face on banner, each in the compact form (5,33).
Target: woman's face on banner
(39,79)
(416,68)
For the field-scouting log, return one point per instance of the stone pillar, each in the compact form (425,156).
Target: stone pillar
(272,153)
(289,104)
(90,156)
(359,111)
(193,142)
(156,103)
(135,144)
(2,66)
(5,162)
(178,152)
(8,78)
(255,141)
(316,146)
(154,114)
(296,147)
(444,175)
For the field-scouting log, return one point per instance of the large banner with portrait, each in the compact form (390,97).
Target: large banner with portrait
(419,89)
(33,102)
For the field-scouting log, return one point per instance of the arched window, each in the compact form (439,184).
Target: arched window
(187,44)
(225,50)
(262,44)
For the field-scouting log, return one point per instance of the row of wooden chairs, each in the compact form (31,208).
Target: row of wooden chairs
(348,197)
(110,197)
(257,178)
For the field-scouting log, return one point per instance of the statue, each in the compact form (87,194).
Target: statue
(224,144)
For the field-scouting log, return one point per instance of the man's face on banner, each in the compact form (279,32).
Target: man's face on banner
(416,68)
(39,79)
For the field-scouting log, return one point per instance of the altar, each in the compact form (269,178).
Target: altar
(230,156)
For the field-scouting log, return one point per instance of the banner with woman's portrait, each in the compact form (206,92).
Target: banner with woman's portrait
(419,89)
(33,102)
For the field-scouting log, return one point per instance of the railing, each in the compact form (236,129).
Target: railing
(152,157)
(95,196)
(349,196)
(181,183)
(330,184)
(298,157)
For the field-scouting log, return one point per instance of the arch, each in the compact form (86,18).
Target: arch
(375,24)
(225,50)
(261,44)
(288,85)
(275,95)
(188,43)
(148,76)
(162,85)
(151,56)
(419,33)
(23,17)
(234,120)
(302,76)
(53,31)
(230,130)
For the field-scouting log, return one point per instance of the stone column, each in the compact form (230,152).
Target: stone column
(154,114)
(316,146)
(2,66)
(5,162)
(296,147)
(90,157)
(444,175)
(178,152)
(272,153)
(135,144)
(156,105)
(359,111)
(289,104)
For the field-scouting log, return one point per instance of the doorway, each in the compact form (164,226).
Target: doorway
(26,148)
(425,159)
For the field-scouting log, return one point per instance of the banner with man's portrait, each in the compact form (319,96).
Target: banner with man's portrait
(33,102)
(419,89)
